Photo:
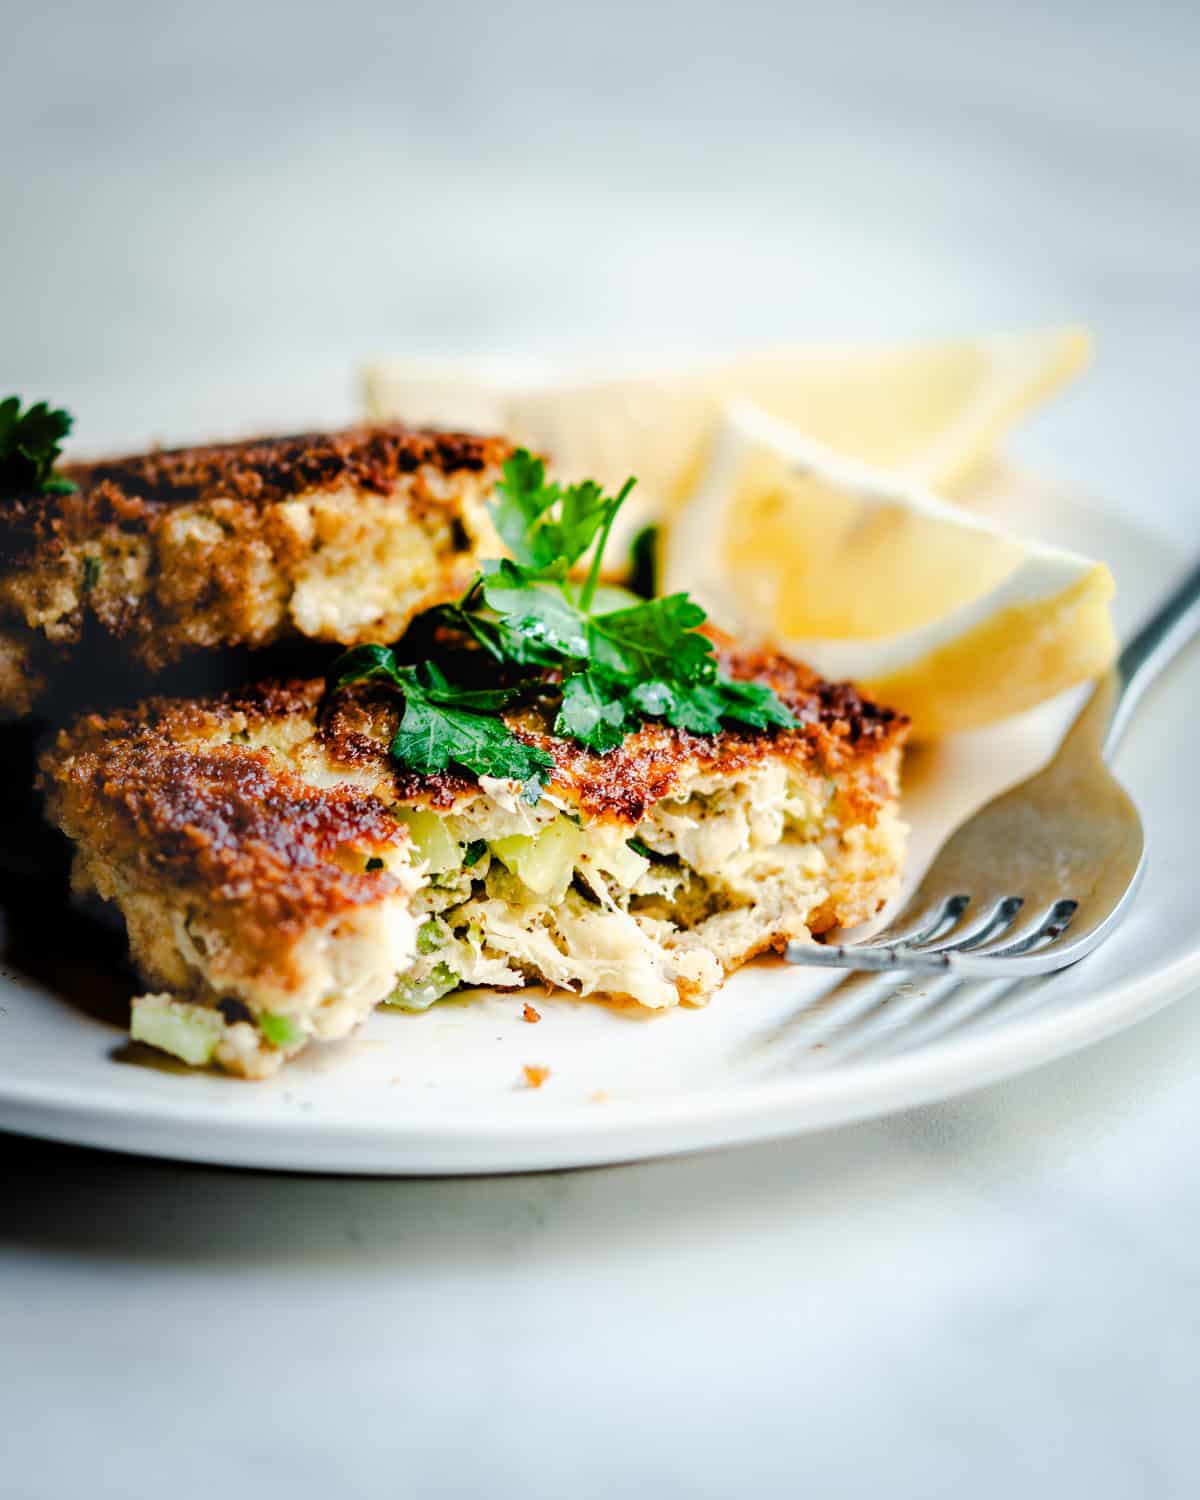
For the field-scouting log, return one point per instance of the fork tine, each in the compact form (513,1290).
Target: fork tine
(921,926)
(1028,943)
(1039,930)
(990,922)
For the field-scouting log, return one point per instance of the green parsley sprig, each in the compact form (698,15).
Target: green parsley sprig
(30,446)
(618,660)
(445,724)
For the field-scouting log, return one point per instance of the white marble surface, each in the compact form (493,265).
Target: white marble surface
(209,213)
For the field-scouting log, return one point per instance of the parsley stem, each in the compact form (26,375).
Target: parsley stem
(593,578)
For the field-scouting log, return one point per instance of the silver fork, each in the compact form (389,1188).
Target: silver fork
(1042,874)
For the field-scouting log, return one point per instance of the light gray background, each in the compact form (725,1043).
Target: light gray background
(208,214)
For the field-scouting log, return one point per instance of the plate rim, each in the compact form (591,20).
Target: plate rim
(231,1132)
(559,1138)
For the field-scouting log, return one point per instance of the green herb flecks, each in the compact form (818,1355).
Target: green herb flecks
(652,855)
(30,446)
(475,851)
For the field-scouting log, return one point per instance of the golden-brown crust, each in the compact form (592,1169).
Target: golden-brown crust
(155,559)
(255,815)
(230,822)
(837,729)
(260,471)
(836,726)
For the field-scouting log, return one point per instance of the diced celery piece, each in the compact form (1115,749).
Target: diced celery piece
(512,849)
(420,994)
(624,864)
(431,839)
(546,862)
(188,1032)
(280,1031)
(430,936)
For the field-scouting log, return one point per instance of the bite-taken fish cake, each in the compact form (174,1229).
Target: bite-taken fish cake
(280,873)
(339,537)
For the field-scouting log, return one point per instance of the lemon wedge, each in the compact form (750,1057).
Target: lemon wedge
(869,576)
(932,412)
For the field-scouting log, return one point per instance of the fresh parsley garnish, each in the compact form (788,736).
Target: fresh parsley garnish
(546,526)
(445,725)
(590,713)
(614,659)
(30,446)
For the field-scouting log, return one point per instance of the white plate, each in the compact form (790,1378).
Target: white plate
(780,1050)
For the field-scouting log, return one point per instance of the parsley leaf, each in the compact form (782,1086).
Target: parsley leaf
(592,712)
(432,736)
(657,639)
(363,662)
(30,445)
(446,725)
(522,498)
(523,513)
(620,659)
(703,706)
(695,706)
(585,507)
(753,704)
(542,615)
(501,642)
(478,700)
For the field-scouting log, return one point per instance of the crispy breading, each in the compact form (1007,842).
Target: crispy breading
(259,818)
(339,537)
(837,729)
(241,883)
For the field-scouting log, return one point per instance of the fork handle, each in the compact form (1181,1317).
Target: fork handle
(1158,642)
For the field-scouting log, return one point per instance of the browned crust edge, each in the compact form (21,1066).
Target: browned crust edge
(260,471)
(122,757)
(268,854)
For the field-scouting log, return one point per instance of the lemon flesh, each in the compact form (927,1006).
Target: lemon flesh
(869,576)
(955,621)
(933,412)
